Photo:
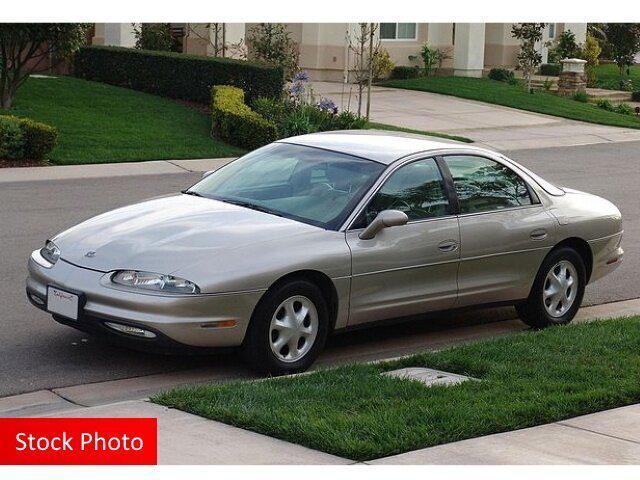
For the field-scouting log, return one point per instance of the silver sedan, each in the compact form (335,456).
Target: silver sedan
(316,233)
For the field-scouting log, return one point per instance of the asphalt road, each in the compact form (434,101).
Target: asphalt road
(37,353)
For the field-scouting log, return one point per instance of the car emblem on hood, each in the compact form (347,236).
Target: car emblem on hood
(90,254)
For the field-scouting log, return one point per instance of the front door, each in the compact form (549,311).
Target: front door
(409,269)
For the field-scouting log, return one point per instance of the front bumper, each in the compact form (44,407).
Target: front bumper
(188,320)
(607,255)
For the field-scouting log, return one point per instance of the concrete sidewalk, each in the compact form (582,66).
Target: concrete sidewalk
(100,170)
(185,439)
(611,437)
(492,126)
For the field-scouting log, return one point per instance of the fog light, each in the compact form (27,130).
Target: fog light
(129,330)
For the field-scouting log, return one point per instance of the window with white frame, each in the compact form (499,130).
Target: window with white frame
(552,30)
(398,31)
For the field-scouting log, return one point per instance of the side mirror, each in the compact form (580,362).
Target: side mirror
(206,174)
(386,218)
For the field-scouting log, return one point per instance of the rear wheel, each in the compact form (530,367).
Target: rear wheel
(557,290)
(288,329)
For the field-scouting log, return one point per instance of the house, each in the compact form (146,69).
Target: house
(472,48)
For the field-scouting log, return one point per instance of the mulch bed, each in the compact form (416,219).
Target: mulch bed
(22,163)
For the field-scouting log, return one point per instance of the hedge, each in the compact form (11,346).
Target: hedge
(501,75)
(550,69)
(235,123)
(24,139)
(175,75)
(404,73)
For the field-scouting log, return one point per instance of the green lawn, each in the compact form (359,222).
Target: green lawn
(527,379)
(501,93)
(609,77)
(99,123)
(393,128)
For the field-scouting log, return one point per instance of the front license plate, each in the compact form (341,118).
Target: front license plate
(63,303)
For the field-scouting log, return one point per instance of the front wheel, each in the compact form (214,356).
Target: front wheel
(288,329)
(557,291)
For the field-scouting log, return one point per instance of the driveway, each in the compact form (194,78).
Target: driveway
(37,353)
(493,126)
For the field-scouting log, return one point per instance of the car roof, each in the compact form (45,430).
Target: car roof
(377,145)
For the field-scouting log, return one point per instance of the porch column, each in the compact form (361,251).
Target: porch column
(579,30)
(468,50)
(115,34)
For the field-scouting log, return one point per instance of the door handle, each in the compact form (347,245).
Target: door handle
(539,234)
(447,246)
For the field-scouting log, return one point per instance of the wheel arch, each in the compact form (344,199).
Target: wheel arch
(321,280)
(584,250)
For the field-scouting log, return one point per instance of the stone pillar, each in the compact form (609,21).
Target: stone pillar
(468,50)
(572,78)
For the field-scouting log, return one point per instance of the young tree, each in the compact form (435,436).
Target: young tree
(529,58)
(25,47)
(272,43)
(362,46)
(624,39)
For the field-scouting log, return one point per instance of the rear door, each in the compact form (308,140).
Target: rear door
(505,232)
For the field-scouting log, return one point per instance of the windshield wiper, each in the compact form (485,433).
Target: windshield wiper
(191,192)
(252,206)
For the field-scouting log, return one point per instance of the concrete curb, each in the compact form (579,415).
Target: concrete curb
(136,388)
(101,170)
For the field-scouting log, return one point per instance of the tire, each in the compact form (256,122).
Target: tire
(279,314)
(543,308)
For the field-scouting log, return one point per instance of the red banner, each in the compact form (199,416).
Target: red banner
(78,441)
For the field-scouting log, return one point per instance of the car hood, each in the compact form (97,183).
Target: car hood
(164,234)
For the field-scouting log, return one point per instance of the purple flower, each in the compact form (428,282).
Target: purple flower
(327,105)
(301,76)
(296,88)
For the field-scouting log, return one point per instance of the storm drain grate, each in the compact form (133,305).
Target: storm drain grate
(429,376)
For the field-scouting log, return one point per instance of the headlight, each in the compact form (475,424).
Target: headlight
(156,282)
(50,252)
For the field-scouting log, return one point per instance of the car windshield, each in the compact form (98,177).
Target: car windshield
(307,184)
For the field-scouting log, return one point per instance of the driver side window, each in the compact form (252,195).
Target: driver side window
(416,189)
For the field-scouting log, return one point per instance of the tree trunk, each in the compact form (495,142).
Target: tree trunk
(370,75)
(6,100)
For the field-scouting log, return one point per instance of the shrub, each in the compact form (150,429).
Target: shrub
(500,74)
(404,72)
(235,123)
(270,108)
(624,109)
(605,105)
(24,139)
(39,139)
(591,53)
(175,75)
(11,138)
(349,121)
(154,36)
(550,69)
(581,96)
(635,96)
(381,64)
(432,58)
